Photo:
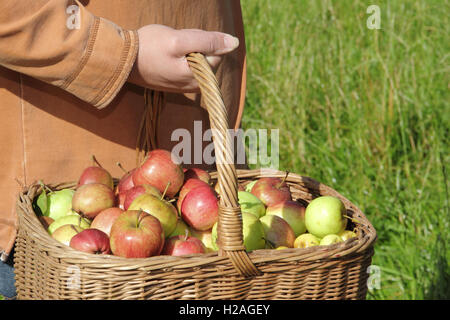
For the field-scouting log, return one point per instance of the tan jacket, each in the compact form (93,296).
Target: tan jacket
(63,89)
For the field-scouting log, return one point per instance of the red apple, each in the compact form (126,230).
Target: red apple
(136,234)
(125,184)
(188,186)
(200,208)
(158,169)
(90,199)
(136,191)
(182,245)
(271,190)
(278,232)
(291,211)
(96,174)
(105,219)
(197,173)
(92,241)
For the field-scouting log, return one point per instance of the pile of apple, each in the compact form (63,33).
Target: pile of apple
(161,208)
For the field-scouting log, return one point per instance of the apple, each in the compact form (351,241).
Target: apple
(90,199)
(253,234)
(330,239)
(188,186)
(197,173)
(136,191)
(251,204)
(205,237)
(306,240)
(200,208)
(281,248)
(136,234)
(105,219)
(325,215)
(45,221)
(271,190)
(96,174)
(159,169)
(346,234)
(182,245)
(65,233)
(181,228)
(249,186)
(278,232)
(163,210)
(92,241)
(76,220)
(55,204)
(291,211)
(125,184)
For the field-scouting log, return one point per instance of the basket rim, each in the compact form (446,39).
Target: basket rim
(28,220)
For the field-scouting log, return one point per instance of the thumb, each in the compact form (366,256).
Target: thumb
(207,42)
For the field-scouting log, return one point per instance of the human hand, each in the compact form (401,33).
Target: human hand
(161,61)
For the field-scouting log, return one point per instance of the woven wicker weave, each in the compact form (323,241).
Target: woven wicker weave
(47,269)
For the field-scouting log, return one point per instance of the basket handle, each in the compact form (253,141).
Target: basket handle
(229,228)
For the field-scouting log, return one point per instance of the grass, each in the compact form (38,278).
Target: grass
(366,112)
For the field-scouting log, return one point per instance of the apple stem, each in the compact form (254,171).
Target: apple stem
(186,232)
(284,179)
(121,167)
(94,160)
(352,219)
(75,229)
(165,190)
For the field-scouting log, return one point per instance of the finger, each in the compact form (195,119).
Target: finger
(207,42)
(214,61)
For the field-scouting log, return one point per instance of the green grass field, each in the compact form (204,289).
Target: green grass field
(366,112)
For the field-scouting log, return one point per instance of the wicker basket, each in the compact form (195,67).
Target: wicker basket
(47,269)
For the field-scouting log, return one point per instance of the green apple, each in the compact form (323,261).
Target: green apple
(278,232)
(346,234)
(181,228)
(251,204)
(206,238)
(306,240)
(330,239)
(291,211)
(55,204)
(72,219)
(325,215)
(252,232)
(65,233)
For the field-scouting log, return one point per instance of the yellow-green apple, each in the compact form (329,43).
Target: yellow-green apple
(250,185)
(205,237)
(330,239)
(346,234)
(271,190)
(306,240)
(281,248)
(181,228)
(188,186)
(251,204)
(325,215)
(91,241)
(105,219)
(163,210)
(160,168)
(182,245)
(277,232)
(72,219)
(65,233)
(90,199)
(96,174)
(252,232)
(200,208)
(136,234)
(197,173)
(55,204)
(136,191)
(291,211)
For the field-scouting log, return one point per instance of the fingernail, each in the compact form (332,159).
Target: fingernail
(231,42)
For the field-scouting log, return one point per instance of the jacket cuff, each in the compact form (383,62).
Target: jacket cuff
(107,61)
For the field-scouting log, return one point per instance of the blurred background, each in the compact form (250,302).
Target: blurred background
(366,112)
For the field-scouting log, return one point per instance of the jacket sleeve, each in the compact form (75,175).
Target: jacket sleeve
(60,42)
